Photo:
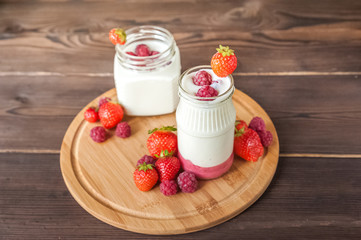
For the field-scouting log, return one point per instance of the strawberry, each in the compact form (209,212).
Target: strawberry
(91,115)
(247,144)
(224,62)
(167,166)
(110,114)
(240,124)
(117,36)
(145,177)
(162,139)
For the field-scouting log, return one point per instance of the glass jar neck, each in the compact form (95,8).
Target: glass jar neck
(203,101)
(138,35)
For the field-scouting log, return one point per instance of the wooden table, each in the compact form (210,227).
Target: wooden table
(300,60)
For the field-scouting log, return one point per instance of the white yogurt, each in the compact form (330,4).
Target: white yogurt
(148,85)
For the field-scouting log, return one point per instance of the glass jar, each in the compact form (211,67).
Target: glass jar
(147,85)
(205,127)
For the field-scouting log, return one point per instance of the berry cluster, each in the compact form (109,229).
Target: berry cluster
(204,79)
(250,140)
(110,115)
(162,145)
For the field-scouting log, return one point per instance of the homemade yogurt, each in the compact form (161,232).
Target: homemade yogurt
(147,85)
(205,128)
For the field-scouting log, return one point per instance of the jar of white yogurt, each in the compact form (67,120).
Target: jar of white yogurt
(205,126)
(147,85)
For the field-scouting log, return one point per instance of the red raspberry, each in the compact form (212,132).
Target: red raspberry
(206,91)
(123,130)
(168,187)
(187,182)
(202,78)
(91,115)
(154,53)
(131,53)
(103,100)
(98,134)
(147,159)
(266,138)
(257,124)
(142,50)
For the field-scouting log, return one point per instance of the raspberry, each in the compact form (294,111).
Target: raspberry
(202,78)
(168,187)
(103,100)
(187,182)
(123,130)
(266,138)
(154,53)
(257,124)
(206,91)
(147,159)
(98,134)
(142,50)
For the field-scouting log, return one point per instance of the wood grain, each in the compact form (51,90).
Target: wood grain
(269,36)
(99,176)
(307,199)
(44,106)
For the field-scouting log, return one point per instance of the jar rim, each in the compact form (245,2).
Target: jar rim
(204,100)
(146,63)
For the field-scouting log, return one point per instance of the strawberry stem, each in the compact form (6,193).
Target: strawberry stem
(121,34)
(144,167)
(225,51)
(239,132)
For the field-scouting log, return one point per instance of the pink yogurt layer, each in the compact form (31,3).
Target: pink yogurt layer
(206,172)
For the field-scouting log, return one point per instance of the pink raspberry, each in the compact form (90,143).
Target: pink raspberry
(257,124)
(131,53)
(142,50)
(146,158)
(123,130)
(266,138)
(103,100)
(154,53)
(98,134)
(206,91)
(187,182)
(168,187)
(202,78)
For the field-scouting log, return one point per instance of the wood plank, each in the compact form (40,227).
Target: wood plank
(269,36)
(312,114)
(307,199)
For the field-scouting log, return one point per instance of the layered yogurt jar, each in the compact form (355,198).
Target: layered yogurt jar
(205,126)
(147,85)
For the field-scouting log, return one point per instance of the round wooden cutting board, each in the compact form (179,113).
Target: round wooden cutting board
(100,177)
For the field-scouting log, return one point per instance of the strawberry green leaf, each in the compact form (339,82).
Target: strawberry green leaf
(225,51)
(167,128)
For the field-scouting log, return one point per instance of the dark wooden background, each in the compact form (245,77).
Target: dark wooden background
(299,59)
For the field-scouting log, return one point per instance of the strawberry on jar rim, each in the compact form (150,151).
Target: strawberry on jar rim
(117,36)
(224,62)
